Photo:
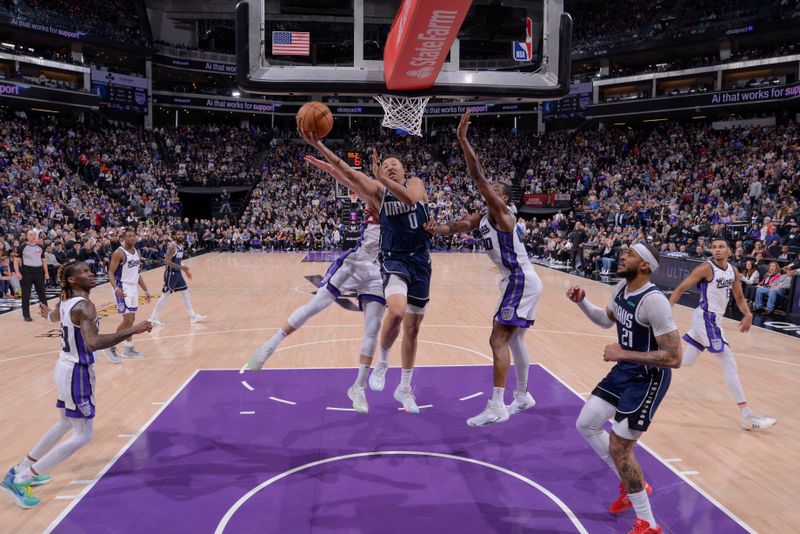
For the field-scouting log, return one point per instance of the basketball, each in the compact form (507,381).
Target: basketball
(315,117)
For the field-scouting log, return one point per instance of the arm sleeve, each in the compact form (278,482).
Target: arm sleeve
(656,311)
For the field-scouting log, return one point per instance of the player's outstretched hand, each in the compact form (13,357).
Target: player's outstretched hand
(746,323)
(576,294)
(44,310)
(376,165)
(461,132)
(320,164)
(141,328)
(430,227)
(613,353)
(309,137)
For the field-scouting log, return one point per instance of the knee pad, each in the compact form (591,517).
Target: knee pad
(321,300)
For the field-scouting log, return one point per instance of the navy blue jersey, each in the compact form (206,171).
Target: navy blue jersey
(631,334)
(403,226)
(177,257)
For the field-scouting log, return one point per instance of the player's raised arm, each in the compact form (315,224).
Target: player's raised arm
(84,314)
(602,317)
(363,186)
(342,178)
(698,274)
(498,209)
(741,302)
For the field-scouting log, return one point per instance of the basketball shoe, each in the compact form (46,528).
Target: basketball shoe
(40,480)
(155,322)
(404,396)
(359,399)
(19,492)
(754,421)
(623,502)
(377,378)
(197,317)
(259,357)
(493,413)
(643,527)
(521,402)
(111,354)
(132,353)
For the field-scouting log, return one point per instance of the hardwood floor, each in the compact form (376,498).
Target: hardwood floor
(247,296)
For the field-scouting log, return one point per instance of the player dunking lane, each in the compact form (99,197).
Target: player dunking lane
(405,261)
(74,376)
(715,279)
(355,270)
(648,347)
(520,287)
(174,281)
(124,278)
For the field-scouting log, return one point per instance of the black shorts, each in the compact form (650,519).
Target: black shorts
(636,391)
(415,270)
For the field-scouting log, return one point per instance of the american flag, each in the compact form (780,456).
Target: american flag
(291,43)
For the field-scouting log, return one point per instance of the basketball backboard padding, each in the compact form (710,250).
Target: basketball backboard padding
(422,33)
(257,75)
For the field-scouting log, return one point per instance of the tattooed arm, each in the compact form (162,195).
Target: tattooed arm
(669,353)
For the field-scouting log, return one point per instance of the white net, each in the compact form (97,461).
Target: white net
(403,112)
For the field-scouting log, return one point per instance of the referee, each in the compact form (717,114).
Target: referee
(30,269)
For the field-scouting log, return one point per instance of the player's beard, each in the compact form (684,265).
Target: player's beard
(628,274)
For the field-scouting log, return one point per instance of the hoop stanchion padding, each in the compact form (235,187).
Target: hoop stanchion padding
(422,33)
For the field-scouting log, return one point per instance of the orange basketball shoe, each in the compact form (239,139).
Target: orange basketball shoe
(623,502)
(643,527)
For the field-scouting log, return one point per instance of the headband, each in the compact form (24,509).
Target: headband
(646,255)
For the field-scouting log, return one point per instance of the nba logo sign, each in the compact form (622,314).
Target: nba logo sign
(521,52)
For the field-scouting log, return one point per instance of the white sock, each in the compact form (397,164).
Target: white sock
(746,410)
(128,344)
(23,476)
(384,357)
(160,303)
(361,379)
(642,506)
(276,340)
(24,464)
(405,377)
(81,435)
(497,396)
(187,301)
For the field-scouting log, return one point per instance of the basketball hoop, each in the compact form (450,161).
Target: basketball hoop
(403,112)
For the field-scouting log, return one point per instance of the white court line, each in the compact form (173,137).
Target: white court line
(157,403)
(335,409)
(478,394)
(64,497)
(689,472)
(673,460)
(247,413)
(284,401)
(83,481)
(248,386)
(113,460)
(558,502)
(125,435)
(688,481)
(420,407)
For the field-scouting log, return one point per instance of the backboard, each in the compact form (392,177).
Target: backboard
(515,49)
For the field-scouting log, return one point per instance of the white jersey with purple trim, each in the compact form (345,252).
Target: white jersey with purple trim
(505,249)
(520,286)
(716,293)
(127,271)
(73,346)
(369,244)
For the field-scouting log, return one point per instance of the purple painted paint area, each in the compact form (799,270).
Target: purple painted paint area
(200,456)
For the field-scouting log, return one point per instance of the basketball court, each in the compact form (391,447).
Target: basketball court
(187,442)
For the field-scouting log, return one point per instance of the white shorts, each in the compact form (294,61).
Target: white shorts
(129,304)
(706,332)
(75,384)
(354,275)
(519,296)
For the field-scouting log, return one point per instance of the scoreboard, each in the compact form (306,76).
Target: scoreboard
(122,92)
(354,159)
